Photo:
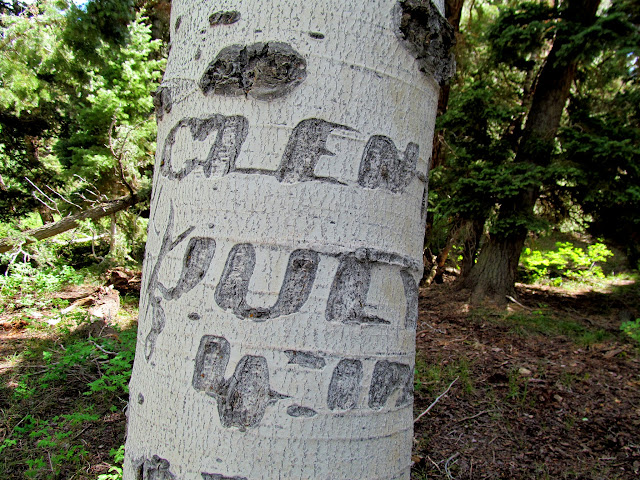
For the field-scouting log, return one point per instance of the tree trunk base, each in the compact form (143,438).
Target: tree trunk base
(494,276)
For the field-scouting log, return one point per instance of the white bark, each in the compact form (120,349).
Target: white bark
(310,374)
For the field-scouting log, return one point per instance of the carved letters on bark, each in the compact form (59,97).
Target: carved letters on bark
(382,164)
(243,398)
(347,298)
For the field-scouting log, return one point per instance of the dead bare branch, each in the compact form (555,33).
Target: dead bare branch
(33,194)
(436,401)
(54,208)
(67,223)
(62,197)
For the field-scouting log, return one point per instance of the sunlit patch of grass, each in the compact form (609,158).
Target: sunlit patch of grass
(11,361)
(432,378)
(607,284)
(128,312)
(542,322)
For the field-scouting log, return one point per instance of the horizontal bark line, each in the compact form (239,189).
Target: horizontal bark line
(67,223)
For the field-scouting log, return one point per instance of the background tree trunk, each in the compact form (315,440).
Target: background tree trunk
(279,304)
(473,231)
(494,276)
(453,12)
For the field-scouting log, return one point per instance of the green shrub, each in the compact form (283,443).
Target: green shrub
(48,447)
(115,378)
(23,286)
(567,261)
(632,328)
(115,471)
(23,278)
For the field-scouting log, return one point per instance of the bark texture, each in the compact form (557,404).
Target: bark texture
(279,300)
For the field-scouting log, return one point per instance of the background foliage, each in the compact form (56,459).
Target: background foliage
(76,112)
(590,183)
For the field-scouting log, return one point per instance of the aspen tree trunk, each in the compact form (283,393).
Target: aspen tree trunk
(280,300)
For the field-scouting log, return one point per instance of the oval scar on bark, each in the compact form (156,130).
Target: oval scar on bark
(263,70)
(224,18)
(219,476)
(316,35)
(298,411)
(162,101)
(428,36)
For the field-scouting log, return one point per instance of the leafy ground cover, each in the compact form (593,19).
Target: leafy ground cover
(64,368)
(548,388)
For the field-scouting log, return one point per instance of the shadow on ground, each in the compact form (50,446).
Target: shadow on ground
(548,388)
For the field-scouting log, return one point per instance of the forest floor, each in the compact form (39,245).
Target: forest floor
(546,388)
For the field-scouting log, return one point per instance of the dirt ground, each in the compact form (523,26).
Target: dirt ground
(546,388)
(533,405)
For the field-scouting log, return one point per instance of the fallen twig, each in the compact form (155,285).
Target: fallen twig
(446,465)
(474,416)
(436,400)
(50,464)
(101,349)
(509,297)
(432,328)
(16,426)
(81,432)
(9,367)
(434,464)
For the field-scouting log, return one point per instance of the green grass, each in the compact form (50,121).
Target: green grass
(44,440)
(632,329)
(542,322)
(518,390)
(62,383)
(433,377)
(26,288)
